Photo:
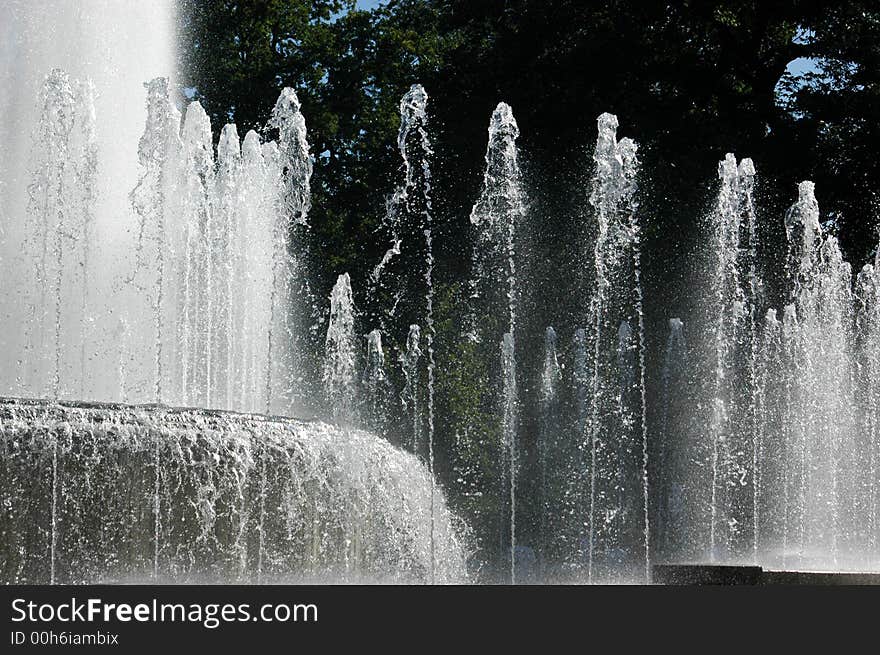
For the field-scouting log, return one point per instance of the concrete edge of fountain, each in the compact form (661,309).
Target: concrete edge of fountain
(157,407)
(692,574)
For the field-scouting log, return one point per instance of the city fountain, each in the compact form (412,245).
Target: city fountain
(147,419)
(157,302)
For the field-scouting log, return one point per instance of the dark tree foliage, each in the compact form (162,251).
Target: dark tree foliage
(688,80)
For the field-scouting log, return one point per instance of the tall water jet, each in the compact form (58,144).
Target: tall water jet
(195,328)
(410,395)
(293,146)
(578,488)
(292,304)
(821,292)
(549,441)
(619,532)
(682,508)
(804,236)
(375,385)
(795,463)
(509,422)
(340,355)
(732,423)
(496,217)
(228,256)
(158,272)
(84,143)
(101,45)
(154,201)
(868,381)
(257,198)
(51,219)
(772,456)
(402,283)
(580,384)
(52,285)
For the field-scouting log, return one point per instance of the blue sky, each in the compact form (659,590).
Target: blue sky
(364,5)
(802,65)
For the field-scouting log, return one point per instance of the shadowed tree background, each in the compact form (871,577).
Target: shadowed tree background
(795,85)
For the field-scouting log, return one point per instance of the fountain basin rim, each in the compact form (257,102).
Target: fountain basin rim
(756,575)
(154,408)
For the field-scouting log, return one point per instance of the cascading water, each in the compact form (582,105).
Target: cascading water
(346,506)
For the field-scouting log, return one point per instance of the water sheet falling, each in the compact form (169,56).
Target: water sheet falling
(346,505)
